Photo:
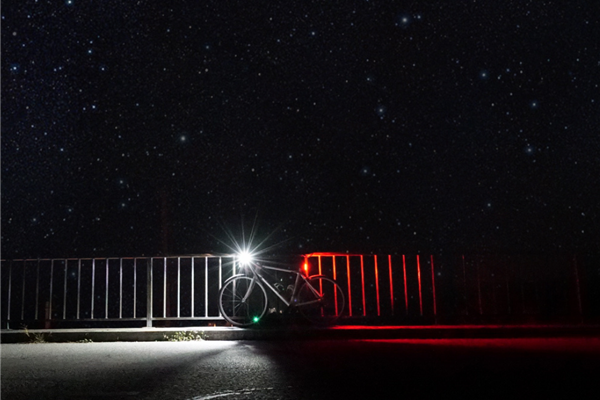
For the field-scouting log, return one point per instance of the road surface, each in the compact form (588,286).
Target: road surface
(310,369)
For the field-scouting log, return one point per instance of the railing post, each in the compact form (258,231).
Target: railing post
(49,308)
(192,288)
(37,288)
(206,286)
(479,290)
(178,287)
(433,290)
(362,277)
(405,284)
(578,289)
(78,286)
(65,289)
(106,293)
(134,287)
(377,284)
(149,294)
(9,293)
(93,287)
(465,286)
(420,290)
(349,286)
(120,288)
(23,291)
(391,282)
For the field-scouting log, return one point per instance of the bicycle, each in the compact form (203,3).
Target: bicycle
(243,298)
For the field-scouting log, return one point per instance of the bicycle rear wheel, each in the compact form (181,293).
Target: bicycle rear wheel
(321,301)
(242,302)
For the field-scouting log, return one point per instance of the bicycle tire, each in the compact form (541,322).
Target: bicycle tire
(236,312)
(326,311)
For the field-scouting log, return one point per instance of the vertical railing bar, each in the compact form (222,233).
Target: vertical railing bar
(178,286)
(149,289)
(220,279)
(536,296)
(420,290)
(120,288)
(335,291)
(78,286)
(578,288)
(377,284)
(508,294)
(362,276)
(10,268)
(220,271)
(334,268)
(37,289)
(134,287)
(65,291)
(165,287)
(465,285)
(51,288)
(479,291)
(405,284)
(495,309)
(23,291)
(523,310)
(93,285)
(433,287)
(320,282)
(319,258)
(206,286)
(349,287)
(391,282)
(106,292)
(192,286)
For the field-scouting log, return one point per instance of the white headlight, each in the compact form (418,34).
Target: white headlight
(245,257)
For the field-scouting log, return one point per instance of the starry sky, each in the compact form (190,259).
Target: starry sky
(145,127)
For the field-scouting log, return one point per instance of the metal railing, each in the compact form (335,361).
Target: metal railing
(464,289)
(113,289)
(400,288)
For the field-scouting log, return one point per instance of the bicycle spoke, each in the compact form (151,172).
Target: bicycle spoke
(242,301)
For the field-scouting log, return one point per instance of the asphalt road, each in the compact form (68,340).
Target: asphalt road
(390,369)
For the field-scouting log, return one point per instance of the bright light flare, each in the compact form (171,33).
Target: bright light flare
(245,257)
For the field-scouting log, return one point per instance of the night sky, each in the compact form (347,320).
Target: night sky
(136,128)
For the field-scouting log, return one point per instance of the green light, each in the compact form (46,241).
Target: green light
(255,319)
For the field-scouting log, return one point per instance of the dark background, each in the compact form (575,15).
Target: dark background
(145,128)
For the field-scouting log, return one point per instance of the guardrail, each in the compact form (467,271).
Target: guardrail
(380,288)
(113,289)
(465,289)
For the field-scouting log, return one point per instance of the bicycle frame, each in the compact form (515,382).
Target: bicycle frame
(255,269)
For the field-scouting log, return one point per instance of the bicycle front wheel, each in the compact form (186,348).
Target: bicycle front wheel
(321,301)
(242,301)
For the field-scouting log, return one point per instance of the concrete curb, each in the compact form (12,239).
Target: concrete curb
(335,333)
